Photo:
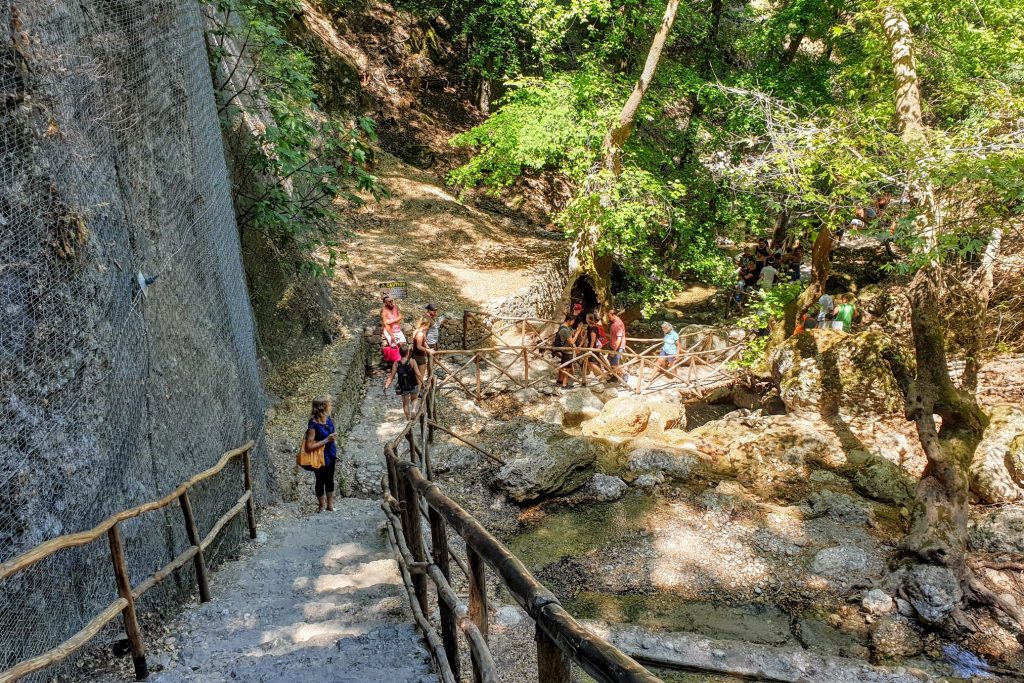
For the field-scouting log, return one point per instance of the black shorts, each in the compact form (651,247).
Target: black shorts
(564,358)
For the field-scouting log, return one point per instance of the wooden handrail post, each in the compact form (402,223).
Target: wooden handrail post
(465,329)
(193,538)
(477,597)
(430,412)
(476,361)
(413,530)
(553,666)
(124,589)
(526,367)
(439,549)
(250,506)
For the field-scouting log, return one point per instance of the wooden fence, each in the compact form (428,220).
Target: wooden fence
(127,595)
(512,345)
(410,497)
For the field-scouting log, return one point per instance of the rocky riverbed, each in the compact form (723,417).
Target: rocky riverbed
(779,530)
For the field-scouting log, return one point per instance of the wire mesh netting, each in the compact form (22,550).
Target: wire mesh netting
(127,359)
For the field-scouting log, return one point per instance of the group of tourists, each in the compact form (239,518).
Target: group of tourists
(580,332)
(836,313)
(768,265)
(408,362)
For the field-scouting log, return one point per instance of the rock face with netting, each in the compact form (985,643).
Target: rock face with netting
(127,359)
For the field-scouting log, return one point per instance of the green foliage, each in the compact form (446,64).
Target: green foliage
(809,131)
(296,173)
(541,124)
(765,309)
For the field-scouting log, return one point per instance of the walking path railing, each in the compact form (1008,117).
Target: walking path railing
(512,345)
(127,595)
(410,497)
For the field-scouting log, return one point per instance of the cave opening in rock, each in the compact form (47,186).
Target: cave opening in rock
(583,292)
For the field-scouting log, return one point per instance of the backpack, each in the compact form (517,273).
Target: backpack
(602,337)
(406,377)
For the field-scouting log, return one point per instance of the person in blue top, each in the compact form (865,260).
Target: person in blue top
(321,433)
(669,348)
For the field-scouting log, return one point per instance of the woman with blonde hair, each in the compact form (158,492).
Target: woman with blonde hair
(320,433)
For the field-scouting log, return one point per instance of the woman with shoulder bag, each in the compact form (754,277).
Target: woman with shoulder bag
(320,434)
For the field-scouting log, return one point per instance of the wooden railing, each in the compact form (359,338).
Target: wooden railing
(511,345)
(127,595)
(410,497)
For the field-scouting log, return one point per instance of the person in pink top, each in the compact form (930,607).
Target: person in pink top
(391,335)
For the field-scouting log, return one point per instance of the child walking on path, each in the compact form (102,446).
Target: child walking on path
(410,380)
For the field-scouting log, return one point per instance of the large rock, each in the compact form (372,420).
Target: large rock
(999,531)
(996,475)
(829,372)
(578,405)
(545,461)
(893,636)
(880,479)
(674,463)
(838,506)
(632,415)
(606,488)
(762,451)
(933,592)
(840,562)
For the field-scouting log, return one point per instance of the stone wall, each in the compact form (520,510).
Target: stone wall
(545,298)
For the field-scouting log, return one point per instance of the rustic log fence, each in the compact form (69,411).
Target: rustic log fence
(410,498)
(127,595)
(512,345)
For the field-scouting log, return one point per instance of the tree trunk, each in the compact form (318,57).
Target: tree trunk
(938,532)
(821,267)
(790,52)
(781,227)
(981,285)
(621,131)
(909,119)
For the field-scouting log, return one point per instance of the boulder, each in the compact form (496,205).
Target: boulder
(998,531)
(829,372)
(544,461)
(648,482)
(761,451)
(840,562)
(996,475)
(632,415)
(894,636)
(838,506)
(606,488)
(673,463)
(578,405)
(932,591)
(882,480)
(878,602)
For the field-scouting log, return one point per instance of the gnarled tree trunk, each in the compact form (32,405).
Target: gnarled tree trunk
(938,532)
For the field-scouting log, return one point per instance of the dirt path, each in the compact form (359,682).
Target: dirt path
(450,253)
